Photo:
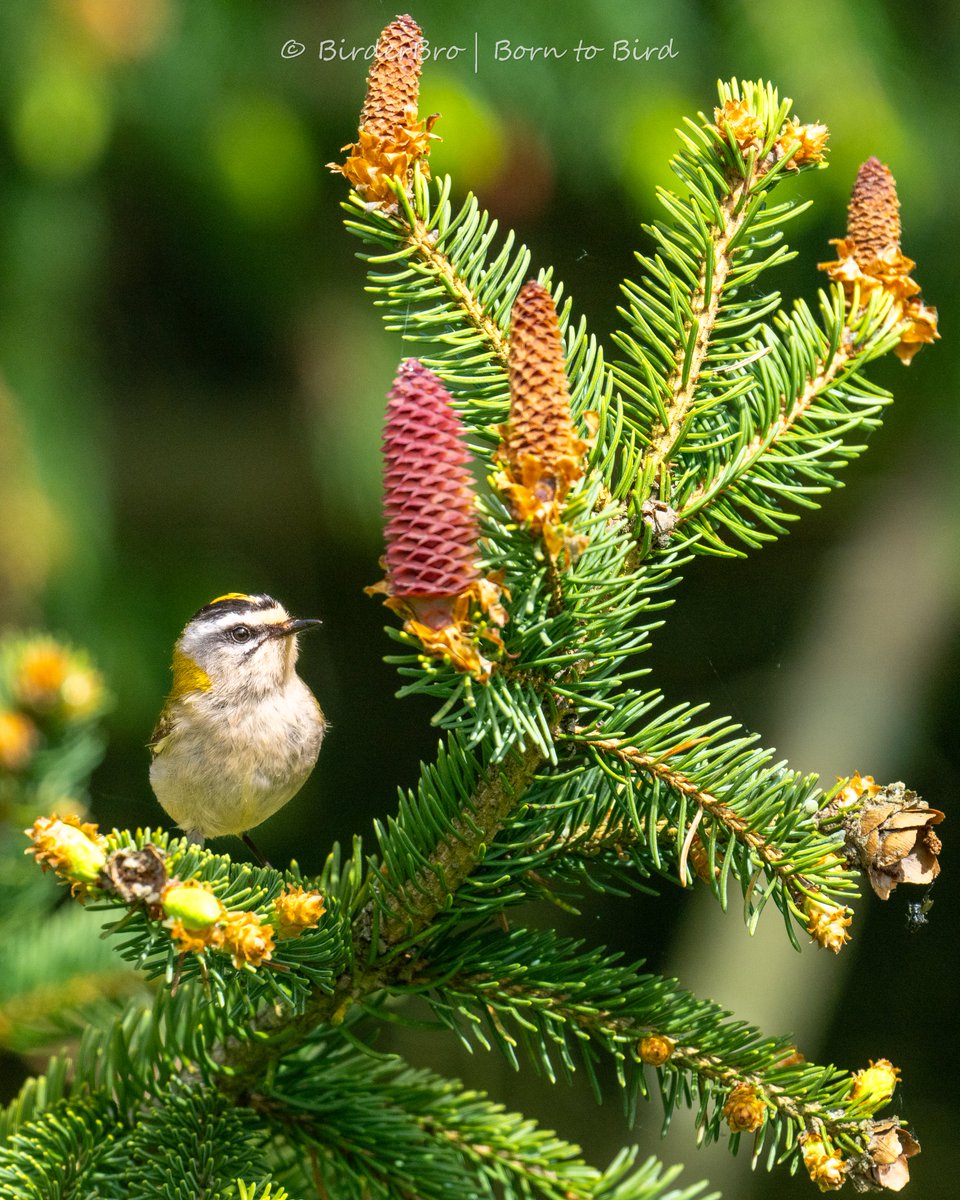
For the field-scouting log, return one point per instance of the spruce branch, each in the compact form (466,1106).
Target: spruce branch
(195,1144)
(56,978)
(39,1093)
(60,1153)
(34,1018)
(623,1180)
(697,330)
(420,1135)
(423,242)
(436,283)
(231,1040)
(535,991)
(708,805)
(643,793)
(722,807)
(442,285)
(685,318)
(795,450)
(409,909)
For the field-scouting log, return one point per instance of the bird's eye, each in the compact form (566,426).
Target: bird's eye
(240,633)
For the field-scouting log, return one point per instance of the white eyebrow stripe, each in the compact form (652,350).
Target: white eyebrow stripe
(255,619)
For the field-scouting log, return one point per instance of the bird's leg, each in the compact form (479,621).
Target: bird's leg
(252,847)
(195,838)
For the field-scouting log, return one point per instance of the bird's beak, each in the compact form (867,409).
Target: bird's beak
(291,627)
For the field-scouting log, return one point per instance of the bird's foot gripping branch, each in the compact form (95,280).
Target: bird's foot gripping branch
(525,599)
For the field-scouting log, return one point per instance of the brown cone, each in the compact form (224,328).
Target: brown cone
(540,423)
(873,215)
(393,83)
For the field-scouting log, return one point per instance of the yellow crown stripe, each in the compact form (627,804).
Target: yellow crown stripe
(230,596)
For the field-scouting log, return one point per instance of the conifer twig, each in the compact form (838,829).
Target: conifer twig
(772,857)
(816,385)
(625,1031)
(705,307)
(419,236)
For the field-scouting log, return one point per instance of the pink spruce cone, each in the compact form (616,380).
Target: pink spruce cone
(432,529)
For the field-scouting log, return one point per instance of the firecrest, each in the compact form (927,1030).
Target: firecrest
(240,731)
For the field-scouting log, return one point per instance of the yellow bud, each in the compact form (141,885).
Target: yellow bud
(807,142)
(825,1167)
(297,910)
(655,1050)
(745,124)
(856,788)
(51,680)
(40,674)
(18,740)
(828,924)
(248,939)
(744,1110)
(81,694)
(875,1086)
(74,850)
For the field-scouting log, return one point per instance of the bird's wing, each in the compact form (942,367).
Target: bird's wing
(161,732)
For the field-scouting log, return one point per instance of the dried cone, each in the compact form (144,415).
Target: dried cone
(884,1165)
(891,837)
(136,876)
(541,451)
(869,257)
(432,531)
(391,138)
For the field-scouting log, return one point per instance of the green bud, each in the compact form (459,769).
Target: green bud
(192,904)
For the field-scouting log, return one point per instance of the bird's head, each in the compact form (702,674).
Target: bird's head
(239,645)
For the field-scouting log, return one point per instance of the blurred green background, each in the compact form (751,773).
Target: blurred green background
(191,389)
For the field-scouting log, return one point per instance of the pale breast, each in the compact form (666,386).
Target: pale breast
(224,772)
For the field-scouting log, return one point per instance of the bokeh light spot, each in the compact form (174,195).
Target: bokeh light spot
(62,122)
(264,159)
(473,145)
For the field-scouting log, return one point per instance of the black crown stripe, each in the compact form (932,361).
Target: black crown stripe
(245,604)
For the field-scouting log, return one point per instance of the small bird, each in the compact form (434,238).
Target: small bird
(240,731)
